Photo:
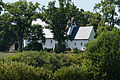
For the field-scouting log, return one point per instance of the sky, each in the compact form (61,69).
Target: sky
(87,5)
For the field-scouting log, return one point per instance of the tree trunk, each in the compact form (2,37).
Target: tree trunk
(20,43)
(112,19)
(20,37)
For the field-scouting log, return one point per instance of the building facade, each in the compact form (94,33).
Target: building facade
(80,36)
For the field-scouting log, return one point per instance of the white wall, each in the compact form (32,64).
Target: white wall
(80,44)
(92,35)
(50,43)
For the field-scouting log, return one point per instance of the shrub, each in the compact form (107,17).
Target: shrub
(47,60)
(68,49)
(48,49)
(59,48)
(104,55)
(69,73)
(75,50)
(20,71)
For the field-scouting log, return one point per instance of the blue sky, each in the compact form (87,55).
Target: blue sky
(87,5)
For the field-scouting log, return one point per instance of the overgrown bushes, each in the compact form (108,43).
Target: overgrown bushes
(104,54)
(21,71)
(73,72)
(37,65)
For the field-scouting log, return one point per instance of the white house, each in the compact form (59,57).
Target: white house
(80,36)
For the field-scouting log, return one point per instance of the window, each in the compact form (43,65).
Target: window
(75,44)
(51,41)
(81,43)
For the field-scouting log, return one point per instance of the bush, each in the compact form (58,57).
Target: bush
(20,71)
(75,50)
(47,60)
(68,49)
(59,48)
(48,49)
(69,73)
(104,55)
(34,46)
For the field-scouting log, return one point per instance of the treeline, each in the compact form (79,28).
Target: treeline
(15,22)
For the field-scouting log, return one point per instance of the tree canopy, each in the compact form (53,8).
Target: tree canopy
(108,9)
(58,18)
(21,13)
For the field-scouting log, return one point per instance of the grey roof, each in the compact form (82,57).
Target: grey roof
(83,32)
(78,32)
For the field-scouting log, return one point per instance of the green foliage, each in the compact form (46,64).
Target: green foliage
(92,19)
(104,53)
(21,71)
(75,50)
(21,14)
(68,49)
(1,6)
(58,18)
(73,72)
(47,60)
(36,33)
(101,29)
(108,9)
(34,46)
(59,48)
(7,36)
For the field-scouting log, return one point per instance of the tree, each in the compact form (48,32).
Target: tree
(104,55)
(7,35)
(108,10)
(57,18)
(92,19)
(22,13)
(35,33)
(118,4)
(1,5)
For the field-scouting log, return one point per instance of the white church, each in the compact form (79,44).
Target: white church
(80,36)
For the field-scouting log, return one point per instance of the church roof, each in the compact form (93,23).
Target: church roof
(82,32)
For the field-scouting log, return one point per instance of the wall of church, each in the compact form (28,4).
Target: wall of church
(79,44)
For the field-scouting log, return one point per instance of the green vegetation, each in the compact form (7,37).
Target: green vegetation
(100,61)
(38,65)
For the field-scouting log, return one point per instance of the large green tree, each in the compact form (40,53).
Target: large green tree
(1,6)
(104,54)
(58,18)
(108,10)
(21,13)
(7,35)
(92,19)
